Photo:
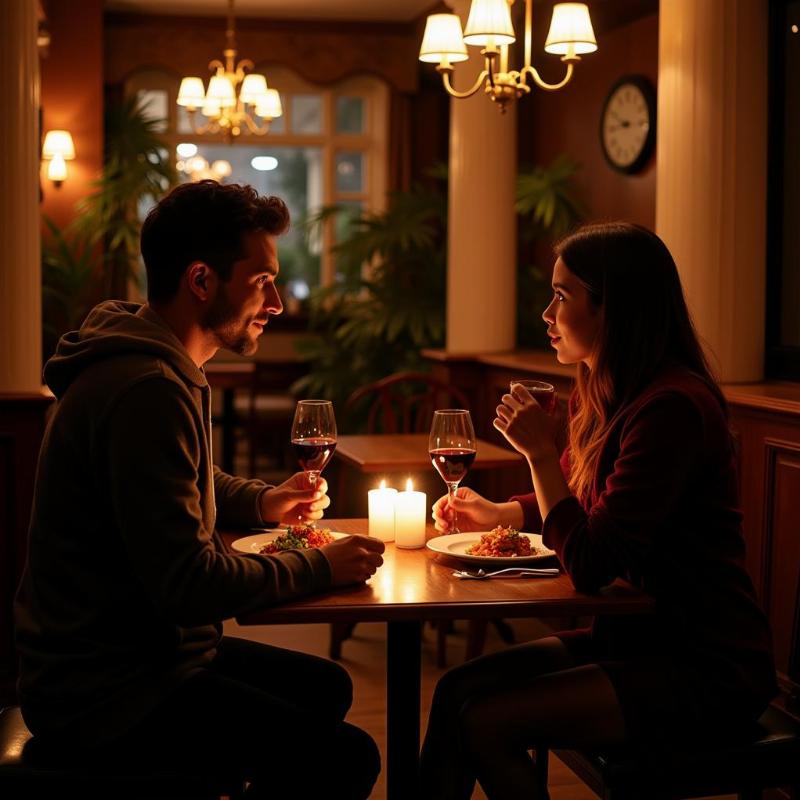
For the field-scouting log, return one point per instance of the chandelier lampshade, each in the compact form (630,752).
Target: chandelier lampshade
(443,40)
(489,24)
(570,30)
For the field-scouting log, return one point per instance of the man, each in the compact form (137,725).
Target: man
(119,610)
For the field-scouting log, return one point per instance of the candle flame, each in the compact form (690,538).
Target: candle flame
(383,484)
(409,485)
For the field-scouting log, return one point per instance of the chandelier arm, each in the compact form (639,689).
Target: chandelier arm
(253,127)
(549,87)
(451,91)
(488,70)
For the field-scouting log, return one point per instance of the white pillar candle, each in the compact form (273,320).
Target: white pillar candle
(409,517)
(381,512)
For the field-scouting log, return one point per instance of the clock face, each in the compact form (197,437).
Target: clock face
(627,130)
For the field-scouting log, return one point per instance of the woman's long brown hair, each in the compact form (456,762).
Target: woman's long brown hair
(645,325)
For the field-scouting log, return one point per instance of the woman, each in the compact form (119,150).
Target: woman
(646,490)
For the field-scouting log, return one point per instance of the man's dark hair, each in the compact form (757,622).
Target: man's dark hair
(203,221)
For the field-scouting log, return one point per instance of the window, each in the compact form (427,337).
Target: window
(783,233)
(329,147)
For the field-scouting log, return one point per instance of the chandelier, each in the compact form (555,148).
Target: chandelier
(489,27)
(235,96)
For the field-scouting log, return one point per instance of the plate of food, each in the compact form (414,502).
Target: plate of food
(506,546)
(289,537)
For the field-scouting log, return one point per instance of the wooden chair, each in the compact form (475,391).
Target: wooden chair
(27,772)
(767,757)
(404,403)
(267,411)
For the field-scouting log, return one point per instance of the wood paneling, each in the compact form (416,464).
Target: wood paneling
(22,421)
(781,543)
(568,121)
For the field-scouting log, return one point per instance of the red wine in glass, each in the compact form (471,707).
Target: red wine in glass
(542,392)
(313,454)
(452,448)
(313,436)
(452,463)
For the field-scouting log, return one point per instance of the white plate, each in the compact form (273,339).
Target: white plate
(456,544)
(253,544)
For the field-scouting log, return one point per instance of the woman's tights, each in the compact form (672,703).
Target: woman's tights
(488,713)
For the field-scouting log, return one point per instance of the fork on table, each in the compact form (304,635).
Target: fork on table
(509,572)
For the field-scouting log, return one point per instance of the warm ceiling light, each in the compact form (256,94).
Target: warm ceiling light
(186,149)
(489,27)
(264,163)
(234,97)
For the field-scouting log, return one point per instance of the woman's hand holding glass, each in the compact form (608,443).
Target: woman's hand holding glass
(475,512)
(295,500)
(527,428)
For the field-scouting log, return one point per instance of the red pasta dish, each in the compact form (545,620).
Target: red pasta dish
(297,537)
(502,543)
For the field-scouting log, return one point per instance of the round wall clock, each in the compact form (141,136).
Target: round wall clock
(628,124)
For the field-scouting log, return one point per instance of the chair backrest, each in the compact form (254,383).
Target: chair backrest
(402,403)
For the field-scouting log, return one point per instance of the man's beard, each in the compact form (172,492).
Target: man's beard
(224,321)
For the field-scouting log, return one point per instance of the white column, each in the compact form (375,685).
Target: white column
(711,170)
(20,268)
(482,223)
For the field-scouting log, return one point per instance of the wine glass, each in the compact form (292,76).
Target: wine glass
(542,392)
(451,446)
(313,436)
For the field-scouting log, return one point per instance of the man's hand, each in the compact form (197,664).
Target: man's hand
(354,559)
(295,500)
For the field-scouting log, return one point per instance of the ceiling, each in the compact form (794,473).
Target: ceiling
(606,14)
(364,10)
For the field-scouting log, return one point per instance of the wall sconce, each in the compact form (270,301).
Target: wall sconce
(58,148)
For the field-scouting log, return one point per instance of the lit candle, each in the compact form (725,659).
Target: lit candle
(381,512)
(409,517)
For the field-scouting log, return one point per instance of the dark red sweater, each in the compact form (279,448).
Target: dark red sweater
(663,514)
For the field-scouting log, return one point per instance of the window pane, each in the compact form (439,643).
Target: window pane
(349,115)
(349,172)
(292,173)
(306,113)
(155,105)
(183,124)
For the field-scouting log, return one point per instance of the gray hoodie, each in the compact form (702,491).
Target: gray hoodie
(127,581)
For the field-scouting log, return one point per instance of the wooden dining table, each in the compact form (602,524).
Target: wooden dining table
(416,585)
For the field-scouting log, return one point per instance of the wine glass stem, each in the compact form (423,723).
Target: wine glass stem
(312,476)
(452,491)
